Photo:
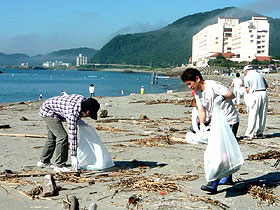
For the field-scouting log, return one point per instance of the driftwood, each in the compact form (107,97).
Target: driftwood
(23,135)
(271,154)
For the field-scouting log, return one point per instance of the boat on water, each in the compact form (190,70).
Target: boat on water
(163,77)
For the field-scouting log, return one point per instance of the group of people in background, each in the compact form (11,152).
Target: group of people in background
(208,93)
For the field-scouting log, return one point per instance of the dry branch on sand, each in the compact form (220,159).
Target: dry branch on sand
(168,101)
(153,183)
(271,154)
(264,194)
(159,141)
(110,129)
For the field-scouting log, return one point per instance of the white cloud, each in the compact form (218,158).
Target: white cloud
(263,6)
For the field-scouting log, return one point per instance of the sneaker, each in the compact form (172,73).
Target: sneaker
(61,169)
(42,165)
(208,189)
(211,187)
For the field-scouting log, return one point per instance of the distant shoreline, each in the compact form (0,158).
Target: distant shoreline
(165,71)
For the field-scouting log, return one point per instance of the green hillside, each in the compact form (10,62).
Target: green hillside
(172,45)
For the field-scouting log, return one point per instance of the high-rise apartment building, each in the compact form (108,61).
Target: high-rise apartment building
(81,60)
(245,41)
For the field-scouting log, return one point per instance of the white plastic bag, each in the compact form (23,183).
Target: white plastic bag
(194,138)
(222,156)
(92,154)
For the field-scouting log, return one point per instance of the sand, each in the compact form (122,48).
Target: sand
(176,165)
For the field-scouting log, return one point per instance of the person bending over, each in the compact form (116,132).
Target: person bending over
(69,108)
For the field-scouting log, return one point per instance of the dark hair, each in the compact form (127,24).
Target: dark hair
(190,74)
(237,75)
(92,105)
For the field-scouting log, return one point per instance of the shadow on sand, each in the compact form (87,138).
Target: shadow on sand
(270,180)
(121,165)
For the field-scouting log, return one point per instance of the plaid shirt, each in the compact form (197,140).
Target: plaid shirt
(65,108)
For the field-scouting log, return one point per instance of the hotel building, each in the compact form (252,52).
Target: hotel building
(244,41)
(81,60)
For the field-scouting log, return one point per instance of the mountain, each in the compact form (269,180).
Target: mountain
(8,59)
(67,56)
(172,45)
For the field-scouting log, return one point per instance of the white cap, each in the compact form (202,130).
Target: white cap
(248,68)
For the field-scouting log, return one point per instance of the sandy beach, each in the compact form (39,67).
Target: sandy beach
(163,172)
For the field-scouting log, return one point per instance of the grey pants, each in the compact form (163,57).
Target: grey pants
(57,142)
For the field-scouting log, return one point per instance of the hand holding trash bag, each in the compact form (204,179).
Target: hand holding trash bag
(75,163)
(219,99)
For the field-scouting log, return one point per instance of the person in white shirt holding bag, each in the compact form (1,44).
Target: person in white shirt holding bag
(207,94)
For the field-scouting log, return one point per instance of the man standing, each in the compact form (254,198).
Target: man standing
(91,90)
(69,108)
(207,93)
(236,84)
(256,86)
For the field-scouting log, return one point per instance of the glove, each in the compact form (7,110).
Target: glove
(75,163)
(219,99)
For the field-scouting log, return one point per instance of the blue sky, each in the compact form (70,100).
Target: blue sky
(42,26)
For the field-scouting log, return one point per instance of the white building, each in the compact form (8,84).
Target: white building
(246,40)
(81,60)
(51,64)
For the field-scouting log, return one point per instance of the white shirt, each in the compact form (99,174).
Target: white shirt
(91,89)
(236,83)
(206,99)
(254,81)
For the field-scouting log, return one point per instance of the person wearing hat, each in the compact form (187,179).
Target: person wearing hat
(69,108)
(257,105)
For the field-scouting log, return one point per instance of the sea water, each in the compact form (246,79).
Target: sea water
(18,85)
